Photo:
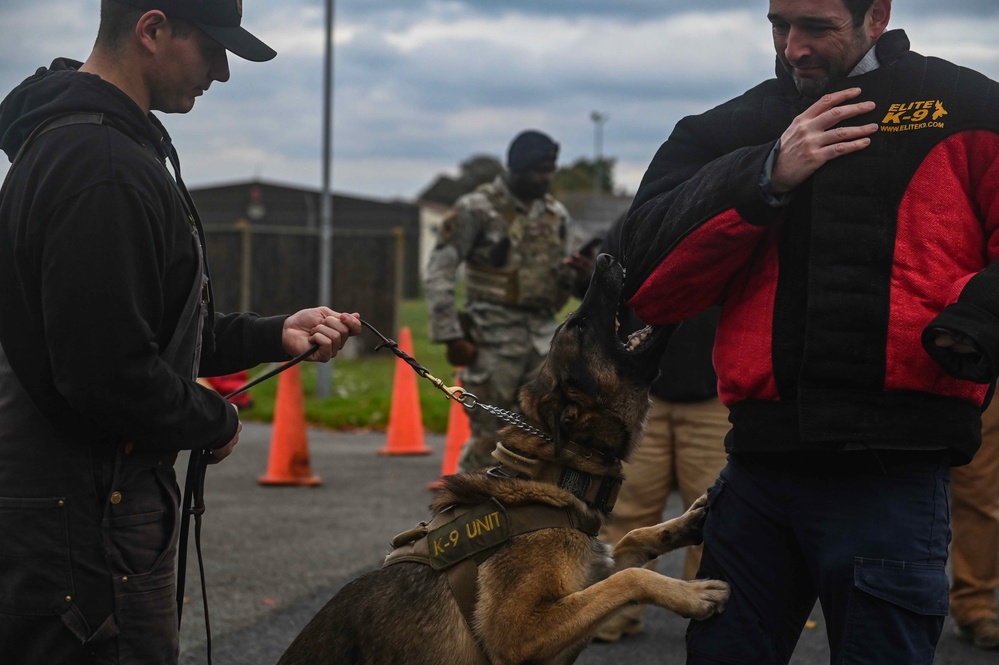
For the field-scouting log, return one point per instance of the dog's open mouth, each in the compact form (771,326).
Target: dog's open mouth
(637,350)
(636,346)
(638,338)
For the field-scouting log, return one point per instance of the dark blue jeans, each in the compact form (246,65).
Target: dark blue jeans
(866,534)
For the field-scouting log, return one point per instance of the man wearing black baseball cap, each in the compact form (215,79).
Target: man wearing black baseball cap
(106,318)
(219,18)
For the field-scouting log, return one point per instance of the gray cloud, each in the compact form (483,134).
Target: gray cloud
(638,10)
(422,85)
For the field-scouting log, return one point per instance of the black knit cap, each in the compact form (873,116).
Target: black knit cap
(529,148)
(218,18)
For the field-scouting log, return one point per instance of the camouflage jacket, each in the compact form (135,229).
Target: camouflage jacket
(512,251)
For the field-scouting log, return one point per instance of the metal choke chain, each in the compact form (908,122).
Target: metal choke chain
(513,419)
(457,393)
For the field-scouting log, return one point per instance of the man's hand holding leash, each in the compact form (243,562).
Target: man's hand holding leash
(322,326)
(302,330)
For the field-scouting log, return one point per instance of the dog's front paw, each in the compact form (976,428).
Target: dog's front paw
(690,524)
(700,502)
(704,598)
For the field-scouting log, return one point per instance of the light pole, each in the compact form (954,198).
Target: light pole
(324,377)
(598,119)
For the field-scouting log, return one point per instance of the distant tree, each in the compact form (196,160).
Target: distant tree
(474,171)
(579,177)
(479,169)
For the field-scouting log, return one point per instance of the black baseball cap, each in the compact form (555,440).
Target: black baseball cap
(218,18)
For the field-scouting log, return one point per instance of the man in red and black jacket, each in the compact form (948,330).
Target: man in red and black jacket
(845,215)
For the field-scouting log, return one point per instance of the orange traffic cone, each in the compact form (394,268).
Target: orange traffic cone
(459,429)
(405,426)
(288,463)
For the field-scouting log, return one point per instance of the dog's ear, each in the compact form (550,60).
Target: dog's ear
(546,411)
(562,429)
(555,417)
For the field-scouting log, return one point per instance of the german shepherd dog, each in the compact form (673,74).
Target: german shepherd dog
(510,570)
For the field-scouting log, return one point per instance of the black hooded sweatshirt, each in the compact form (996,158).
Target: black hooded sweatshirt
(97,258)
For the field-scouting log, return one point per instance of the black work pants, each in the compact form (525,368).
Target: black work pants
(865,534)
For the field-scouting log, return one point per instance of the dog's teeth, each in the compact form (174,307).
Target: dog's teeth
(636,338)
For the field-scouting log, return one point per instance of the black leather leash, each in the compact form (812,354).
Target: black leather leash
(194,504)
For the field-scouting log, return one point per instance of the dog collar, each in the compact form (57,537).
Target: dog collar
(596,490)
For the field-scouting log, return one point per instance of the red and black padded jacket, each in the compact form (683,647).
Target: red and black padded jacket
(829,303)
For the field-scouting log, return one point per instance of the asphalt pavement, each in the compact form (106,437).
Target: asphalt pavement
(274,555)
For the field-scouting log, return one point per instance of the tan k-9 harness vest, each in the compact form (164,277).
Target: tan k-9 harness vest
(532,275)
(460,538)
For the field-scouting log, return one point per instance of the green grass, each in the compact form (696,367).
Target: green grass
(361,394)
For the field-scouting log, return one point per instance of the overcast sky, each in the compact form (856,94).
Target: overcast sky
(421,85)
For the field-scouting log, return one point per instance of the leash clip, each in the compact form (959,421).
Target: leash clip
(467,399)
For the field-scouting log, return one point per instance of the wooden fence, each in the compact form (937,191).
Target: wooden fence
(275,270)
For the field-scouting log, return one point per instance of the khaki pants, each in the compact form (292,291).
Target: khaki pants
(975,524)
(682,448)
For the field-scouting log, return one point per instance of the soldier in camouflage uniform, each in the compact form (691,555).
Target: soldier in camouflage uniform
(514,240)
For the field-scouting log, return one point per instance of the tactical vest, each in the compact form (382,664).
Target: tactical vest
(523,268)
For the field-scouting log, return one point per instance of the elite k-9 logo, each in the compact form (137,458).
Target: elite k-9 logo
(910,116)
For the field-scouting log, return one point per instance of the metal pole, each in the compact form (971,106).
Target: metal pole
(598,140)
(324,378)
(245,265)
